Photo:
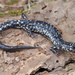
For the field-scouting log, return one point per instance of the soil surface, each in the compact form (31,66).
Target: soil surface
(41,61)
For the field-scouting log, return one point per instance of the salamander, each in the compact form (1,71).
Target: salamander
(43,28)
(50,32)
(13,24)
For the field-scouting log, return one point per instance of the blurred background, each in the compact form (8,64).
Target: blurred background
(16,7)
(59,13)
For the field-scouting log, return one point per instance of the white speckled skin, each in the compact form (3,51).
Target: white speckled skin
(50,32)
(43,28)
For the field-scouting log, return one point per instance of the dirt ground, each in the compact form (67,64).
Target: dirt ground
(41,61)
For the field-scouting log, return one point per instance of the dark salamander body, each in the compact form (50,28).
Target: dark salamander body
(13,24)
(51,33)
(43,28)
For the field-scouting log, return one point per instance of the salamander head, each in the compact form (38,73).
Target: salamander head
(68,46)
(72,48)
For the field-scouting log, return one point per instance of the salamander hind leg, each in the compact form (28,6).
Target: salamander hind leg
(53,50)
(24,16)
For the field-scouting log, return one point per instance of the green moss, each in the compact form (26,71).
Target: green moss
(33,6)
(1,15)
(16,13)
(13,13)
(12,2)
(47,1)
(68,68)
(25,12)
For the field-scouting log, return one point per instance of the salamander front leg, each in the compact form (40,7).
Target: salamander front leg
(24,16)
(53,50)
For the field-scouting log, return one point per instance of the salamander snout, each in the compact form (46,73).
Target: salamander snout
(72,48)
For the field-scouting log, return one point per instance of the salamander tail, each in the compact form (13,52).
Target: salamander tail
(15,48)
